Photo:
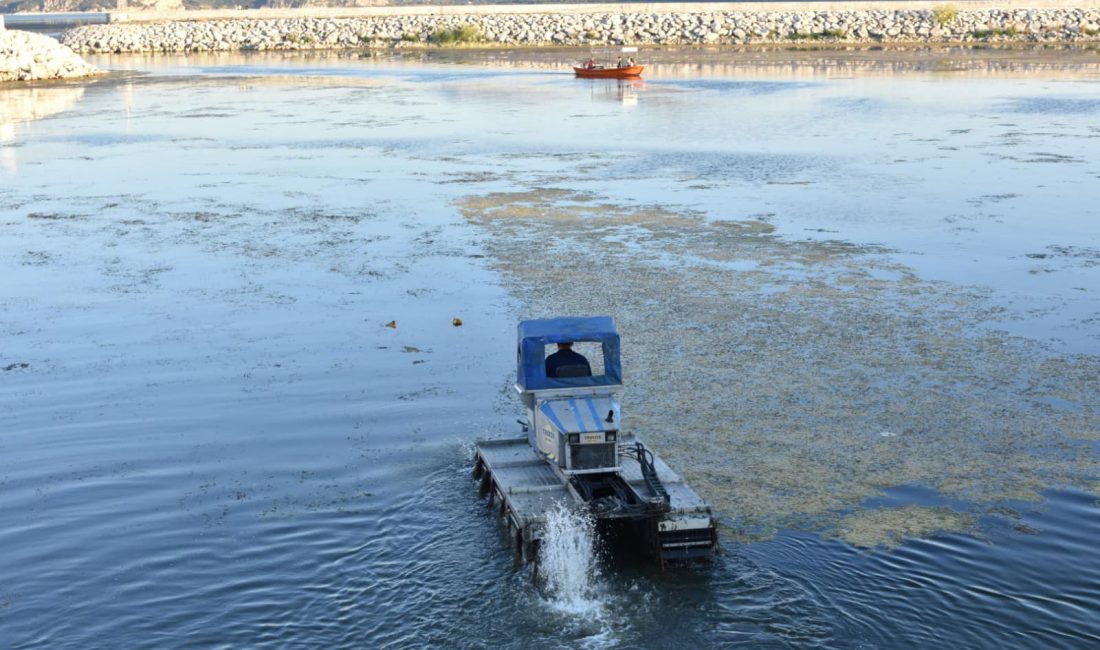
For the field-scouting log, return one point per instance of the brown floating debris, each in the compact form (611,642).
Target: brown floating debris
(392,324)
(457,322)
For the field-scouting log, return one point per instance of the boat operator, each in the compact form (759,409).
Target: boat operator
(567,363)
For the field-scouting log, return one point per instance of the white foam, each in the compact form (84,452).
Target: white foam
(567,563)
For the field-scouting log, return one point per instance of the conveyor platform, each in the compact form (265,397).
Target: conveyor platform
(526,488)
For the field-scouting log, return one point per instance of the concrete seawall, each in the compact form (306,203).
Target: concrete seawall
(596,26)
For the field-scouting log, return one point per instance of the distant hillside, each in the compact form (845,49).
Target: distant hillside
(16,6)
(54,5)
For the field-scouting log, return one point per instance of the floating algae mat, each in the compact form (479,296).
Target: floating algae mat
(792,381)
(888,526)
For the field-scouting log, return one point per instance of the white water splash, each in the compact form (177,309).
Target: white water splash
(567,562)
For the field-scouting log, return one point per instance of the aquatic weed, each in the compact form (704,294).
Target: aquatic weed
(456,35)
(790,358)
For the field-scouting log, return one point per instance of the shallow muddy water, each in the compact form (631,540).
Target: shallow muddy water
(857,292)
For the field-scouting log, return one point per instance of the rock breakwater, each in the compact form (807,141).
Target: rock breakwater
(944,24)
(25,56)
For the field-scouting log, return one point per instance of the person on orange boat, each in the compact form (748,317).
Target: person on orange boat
(630,62)
(590,63)
(619,63)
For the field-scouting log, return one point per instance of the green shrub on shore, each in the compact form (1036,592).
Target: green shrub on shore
(944,14)
(827,34)
(996,31)
(457,35)
(409,37)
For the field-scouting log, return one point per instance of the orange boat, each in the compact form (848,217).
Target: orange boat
(600,72)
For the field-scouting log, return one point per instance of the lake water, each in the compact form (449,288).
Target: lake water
(858,293)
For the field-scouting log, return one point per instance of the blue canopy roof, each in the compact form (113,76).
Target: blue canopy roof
(535,335)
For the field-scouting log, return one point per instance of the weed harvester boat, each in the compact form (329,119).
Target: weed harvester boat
(575,453)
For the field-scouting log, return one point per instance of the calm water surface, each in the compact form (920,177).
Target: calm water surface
(211,438)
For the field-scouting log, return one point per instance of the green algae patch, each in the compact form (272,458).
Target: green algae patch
(888,527)
(793,380)
(553,204)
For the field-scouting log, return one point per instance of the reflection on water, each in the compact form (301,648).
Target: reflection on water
(211,437)
(622,91)
(25,104)
(20,104)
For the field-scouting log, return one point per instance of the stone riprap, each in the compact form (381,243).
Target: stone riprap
(942,25)
(25,56)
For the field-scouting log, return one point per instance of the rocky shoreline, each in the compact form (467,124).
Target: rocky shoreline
(25,56)
(942,24)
